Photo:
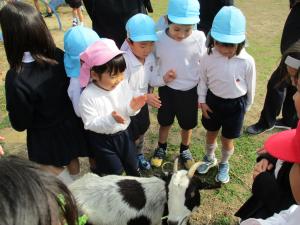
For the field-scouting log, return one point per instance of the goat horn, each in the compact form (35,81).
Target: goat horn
(193,169)
(175,168)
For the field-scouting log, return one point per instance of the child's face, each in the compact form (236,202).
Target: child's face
(293,74)
(227,50)
(141,49)
(179,32)
(107,81)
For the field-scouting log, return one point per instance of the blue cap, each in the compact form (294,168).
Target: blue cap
(141,27)
(229,26)
(76,40)
(184,12)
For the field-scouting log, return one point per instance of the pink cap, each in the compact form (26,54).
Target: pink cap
(97,54)
(285,145)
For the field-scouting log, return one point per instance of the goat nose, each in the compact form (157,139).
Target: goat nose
(172,222)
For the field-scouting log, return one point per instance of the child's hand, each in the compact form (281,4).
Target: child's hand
(118,118)
(153,100)
(138,102)
(205,109)
(262,166)
(169,76)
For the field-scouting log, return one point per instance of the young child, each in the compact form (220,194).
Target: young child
(226,88)
(76,40)
(284,146)
(37,6)
(76,12)
(140,68)
(36,91)
(30,196)
(106,105)
(178,52)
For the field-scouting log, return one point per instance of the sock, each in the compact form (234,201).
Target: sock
(226,154)
(183,147)
(210,151)
(163,146)
(75,176)
(65,177)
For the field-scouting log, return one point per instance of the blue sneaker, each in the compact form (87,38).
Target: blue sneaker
(223,173)
(206,165)
(158,157)
(187,159)
(143,163)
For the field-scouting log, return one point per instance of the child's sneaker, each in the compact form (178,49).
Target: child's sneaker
(74,22)
(158,157)
(187,159)
(49,14)
(223,173)
(206,165)
(143,163)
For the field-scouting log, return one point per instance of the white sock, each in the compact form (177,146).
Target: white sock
(65,177)
(226,154)
(210,151)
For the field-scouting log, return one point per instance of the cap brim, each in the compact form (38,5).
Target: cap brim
(144,38)
(231,39)
(184,20)
(72,65)
(283,146)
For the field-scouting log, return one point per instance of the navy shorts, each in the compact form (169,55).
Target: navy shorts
(139,123)
(182,104)
(114,153)
(227,113)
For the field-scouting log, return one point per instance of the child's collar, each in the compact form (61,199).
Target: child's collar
(27,58)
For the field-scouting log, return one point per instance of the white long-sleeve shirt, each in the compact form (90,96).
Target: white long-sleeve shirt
(182,56)
(96,106)
(74,92)
(138,74)
(290,216)
(227,78)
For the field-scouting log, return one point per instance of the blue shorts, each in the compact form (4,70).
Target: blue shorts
(227,113)
(114,153)
(182,104)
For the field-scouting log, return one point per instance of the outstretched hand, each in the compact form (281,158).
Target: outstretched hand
(153,100)
(262,166)
(118,118)
(138,102)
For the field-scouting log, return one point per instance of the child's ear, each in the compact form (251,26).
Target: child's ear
(129,42)
(94,75)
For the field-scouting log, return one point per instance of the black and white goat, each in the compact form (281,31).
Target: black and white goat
(125,200)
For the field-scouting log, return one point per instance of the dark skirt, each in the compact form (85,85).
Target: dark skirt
(57,145)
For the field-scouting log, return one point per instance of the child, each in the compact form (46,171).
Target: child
(178,52)
(36,91)
(76,12)
(30,196)
(76,40)
(285,147)
(140,68)
(37,6)
(226,88)
(106,105)
(271,192)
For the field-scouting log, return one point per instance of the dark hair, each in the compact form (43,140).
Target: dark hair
(211,44)
(293,51)
(114,66)
(30,196)
(25,30)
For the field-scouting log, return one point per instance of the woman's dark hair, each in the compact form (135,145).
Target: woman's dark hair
(114,66)
(30,196)
(211,44)
(24,30)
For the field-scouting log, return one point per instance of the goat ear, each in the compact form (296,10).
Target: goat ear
(204,185)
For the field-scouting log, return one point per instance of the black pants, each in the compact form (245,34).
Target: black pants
(279,96)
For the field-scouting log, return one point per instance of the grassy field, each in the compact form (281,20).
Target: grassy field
(265,19)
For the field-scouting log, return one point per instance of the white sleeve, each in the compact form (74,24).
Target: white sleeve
(251,83)
(74,92)
(91,118)
(277,219)
(157,79)
(202,85)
